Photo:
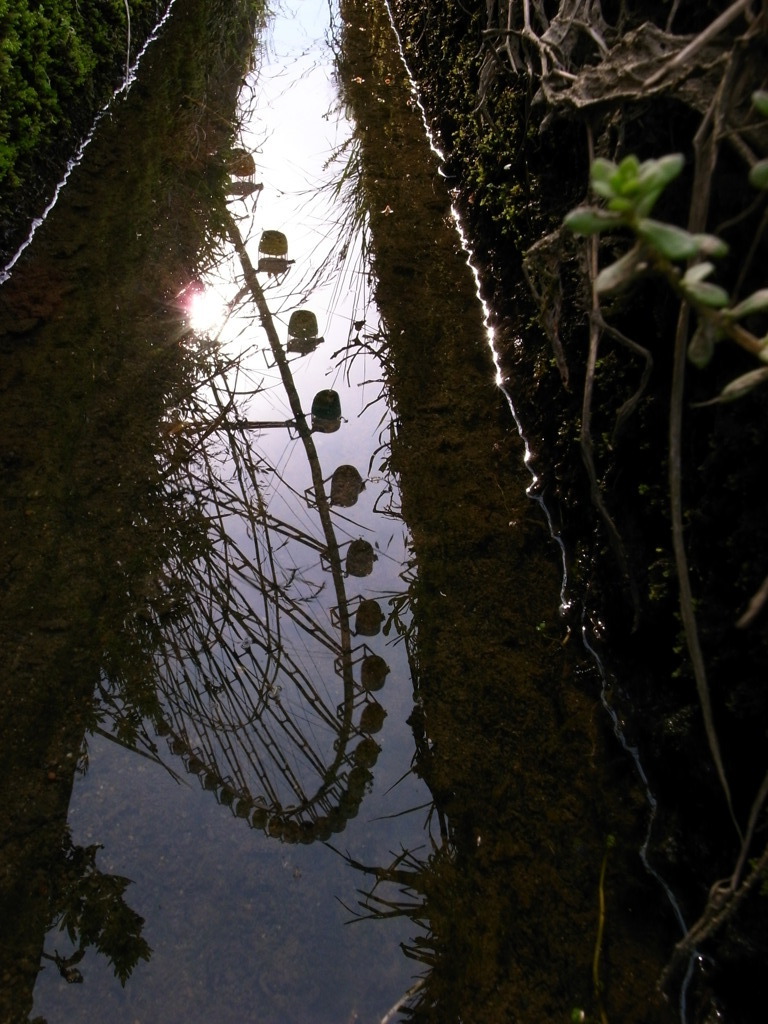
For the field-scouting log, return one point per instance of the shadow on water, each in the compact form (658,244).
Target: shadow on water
(183,604)
(90,360)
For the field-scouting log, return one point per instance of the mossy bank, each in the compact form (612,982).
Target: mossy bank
(520,106)
(60,62)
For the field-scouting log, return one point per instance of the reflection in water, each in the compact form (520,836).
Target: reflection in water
(303,332)
(360,558)
(247,665)
(206,573)
(273,254)
(91,910)
(346,485)
(187,604)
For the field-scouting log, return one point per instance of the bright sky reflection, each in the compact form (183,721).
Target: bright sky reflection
(255,907)
(290,125)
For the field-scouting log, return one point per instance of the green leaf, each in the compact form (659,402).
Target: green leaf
(700,291)
(627,170)
(739,387)
(603,189)
(744,384)
(668,168)
(754,303)
(711,245)
(588,220)
(619,274)
(697,273)
(655,175)
(621,204)
(602,169)
(760,102)
(673,242)
(646,203)
(702,344)
(624,181)
(601,174)
(706,294)
(758,175)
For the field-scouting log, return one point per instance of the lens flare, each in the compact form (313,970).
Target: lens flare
(206,309)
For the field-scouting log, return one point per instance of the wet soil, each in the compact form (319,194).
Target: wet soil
(512,185)
(509,729)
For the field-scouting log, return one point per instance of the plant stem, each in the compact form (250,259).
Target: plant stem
(597,985)
(128,40)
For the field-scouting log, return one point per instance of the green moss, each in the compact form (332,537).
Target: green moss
(60,61)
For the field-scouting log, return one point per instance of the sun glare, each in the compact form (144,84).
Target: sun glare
(206,309)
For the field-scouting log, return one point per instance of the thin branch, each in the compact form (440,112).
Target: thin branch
(628,407)
(706,154)
(587,451)
(755,606)
(128,40)
(721,906)
(390,1014)
(701,40)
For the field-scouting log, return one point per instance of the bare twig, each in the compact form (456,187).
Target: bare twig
(585,435)
(706,154)
(755,606)
(754,813)
(390,1014)
(721,906)
(587,450)
(628,407)
(701,40)
(128,40)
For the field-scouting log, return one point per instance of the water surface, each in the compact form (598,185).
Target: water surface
(330,737)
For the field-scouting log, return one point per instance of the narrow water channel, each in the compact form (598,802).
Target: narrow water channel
(291,728)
